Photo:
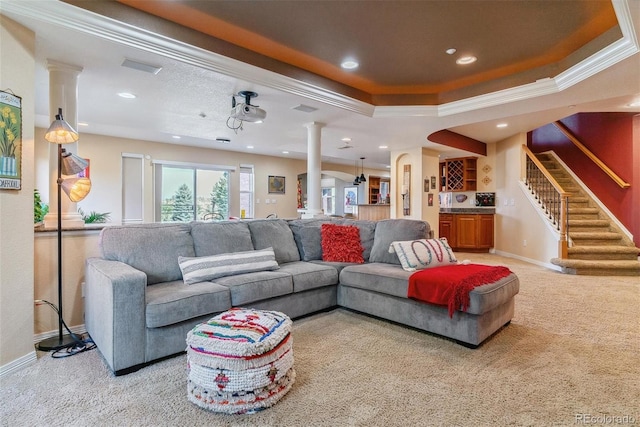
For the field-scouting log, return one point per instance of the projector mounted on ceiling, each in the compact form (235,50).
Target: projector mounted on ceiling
(244,111)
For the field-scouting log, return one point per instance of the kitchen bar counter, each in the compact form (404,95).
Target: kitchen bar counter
(477,210)
(374,212)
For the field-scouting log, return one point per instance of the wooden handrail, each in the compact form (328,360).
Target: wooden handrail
(567,132)
(544,171)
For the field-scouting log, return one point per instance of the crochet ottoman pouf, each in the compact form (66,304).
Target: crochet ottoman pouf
(240,361)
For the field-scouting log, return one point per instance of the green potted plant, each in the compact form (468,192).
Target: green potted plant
(40,209)
(94,217)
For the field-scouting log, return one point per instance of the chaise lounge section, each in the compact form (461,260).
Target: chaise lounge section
(141,298)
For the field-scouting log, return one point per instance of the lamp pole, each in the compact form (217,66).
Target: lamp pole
(61,341)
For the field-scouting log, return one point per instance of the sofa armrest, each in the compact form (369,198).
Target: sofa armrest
(115,311)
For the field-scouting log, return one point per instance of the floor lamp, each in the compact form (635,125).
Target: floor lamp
(60,132)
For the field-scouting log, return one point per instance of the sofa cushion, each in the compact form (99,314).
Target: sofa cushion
(274,233)
(150,248)
(220,237)
(307,275)
(383,278)
(311,242)
(394,280)
(173,302)
(390,230)
(262,285)
(424,253)
(201,269)
(297,225)
(341,243)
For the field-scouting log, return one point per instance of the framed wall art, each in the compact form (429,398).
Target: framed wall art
(276,184)
(10,141)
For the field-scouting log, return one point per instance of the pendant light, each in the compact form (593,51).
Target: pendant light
(362,178)
(356,181)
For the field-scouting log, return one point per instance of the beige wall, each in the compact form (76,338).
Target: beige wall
(17,72)
(516,218)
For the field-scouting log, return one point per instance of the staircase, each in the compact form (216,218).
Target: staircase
(598,247)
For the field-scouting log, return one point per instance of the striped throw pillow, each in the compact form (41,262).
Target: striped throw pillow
(202,269)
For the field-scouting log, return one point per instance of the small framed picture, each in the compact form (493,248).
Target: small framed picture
(430,199)
(433,182)
(426,185)
(276,184)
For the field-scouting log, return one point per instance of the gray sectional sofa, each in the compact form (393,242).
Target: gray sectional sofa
(138,309)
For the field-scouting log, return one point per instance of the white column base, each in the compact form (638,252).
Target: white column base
(69,220)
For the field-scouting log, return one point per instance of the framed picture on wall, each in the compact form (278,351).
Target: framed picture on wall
(276,184)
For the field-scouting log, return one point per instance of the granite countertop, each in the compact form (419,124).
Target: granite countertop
(476,210)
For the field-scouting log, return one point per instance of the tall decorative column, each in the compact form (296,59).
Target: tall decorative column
(314,159)
(63,93)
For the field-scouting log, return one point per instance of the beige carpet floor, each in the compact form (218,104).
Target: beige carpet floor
(570,355)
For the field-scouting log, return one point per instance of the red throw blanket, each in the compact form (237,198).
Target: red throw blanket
(450,285)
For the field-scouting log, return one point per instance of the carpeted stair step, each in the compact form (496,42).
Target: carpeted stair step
(610,252)
(588,225)
(598,267)
(595,238)
(583,213)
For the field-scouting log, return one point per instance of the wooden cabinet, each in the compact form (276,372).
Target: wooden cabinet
(459,174)
(377,187)
(374,189)
(467,232)
(445,227)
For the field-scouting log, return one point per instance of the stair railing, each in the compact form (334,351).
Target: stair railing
(567,132)
(551,197)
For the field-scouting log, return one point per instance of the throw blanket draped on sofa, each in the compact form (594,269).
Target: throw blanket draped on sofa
(450,285)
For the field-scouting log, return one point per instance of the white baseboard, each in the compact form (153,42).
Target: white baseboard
(78,330)
(529,260)
(20,363)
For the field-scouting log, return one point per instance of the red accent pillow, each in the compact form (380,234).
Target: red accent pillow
(341,243)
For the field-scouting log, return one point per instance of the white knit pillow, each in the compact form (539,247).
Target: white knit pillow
(202,269)
(425,253)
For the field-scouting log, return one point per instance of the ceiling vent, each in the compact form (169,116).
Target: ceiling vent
(304,108)
(223,140)
(140,66)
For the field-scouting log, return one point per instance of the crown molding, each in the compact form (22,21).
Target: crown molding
(62,14)
(68,16)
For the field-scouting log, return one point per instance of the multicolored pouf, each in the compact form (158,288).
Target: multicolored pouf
(240,361)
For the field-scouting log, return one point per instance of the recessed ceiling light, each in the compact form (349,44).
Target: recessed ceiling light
(285,152)
(502,125)
(259,121)
(250,147)
(466,60)
(450,51)
(349,64)
(126,95)
(383,147)
(176,137)
(634,104)
(83,124)
(388,166)
(346,139)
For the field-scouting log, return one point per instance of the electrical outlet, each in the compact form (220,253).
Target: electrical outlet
(273,201)
(512,202)
(524,243)
(257,201)
(266,201)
